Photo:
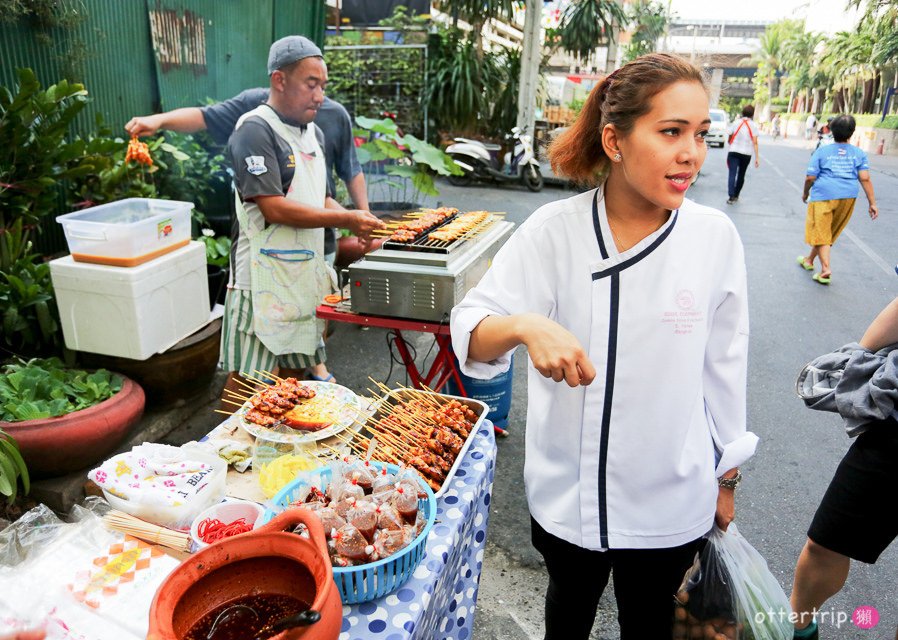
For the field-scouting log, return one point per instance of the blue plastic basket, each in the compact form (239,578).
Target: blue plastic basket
(375,579)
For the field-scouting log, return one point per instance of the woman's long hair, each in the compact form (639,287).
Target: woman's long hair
(620,99)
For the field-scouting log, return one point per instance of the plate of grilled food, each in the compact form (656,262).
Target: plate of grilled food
(297,412)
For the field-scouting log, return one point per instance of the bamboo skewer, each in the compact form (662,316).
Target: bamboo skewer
(254,389)
(227,413)
(237,396)
(268,374)
(236,404)
(258,381)
(125,523)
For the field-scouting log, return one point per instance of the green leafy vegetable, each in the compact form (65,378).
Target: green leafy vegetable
(45,389)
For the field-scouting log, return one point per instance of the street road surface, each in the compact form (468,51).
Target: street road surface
(793,320)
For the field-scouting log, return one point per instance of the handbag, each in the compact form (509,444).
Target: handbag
(733,135)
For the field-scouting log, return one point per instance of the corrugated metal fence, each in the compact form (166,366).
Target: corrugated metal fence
(137,57)
(140,56)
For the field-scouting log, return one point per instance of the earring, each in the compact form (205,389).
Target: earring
(617,157)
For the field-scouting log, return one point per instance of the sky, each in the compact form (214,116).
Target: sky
(821,15)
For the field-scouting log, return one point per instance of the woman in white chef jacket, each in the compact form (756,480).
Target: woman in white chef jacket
(632,303)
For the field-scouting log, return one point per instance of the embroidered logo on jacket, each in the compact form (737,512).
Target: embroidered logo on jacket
(255,165)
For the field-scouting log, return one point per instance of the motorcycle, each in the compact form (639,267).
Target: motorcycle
(480,161)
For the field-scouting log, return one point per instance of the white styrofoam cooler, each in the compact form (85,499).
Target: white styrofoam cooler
(132,312)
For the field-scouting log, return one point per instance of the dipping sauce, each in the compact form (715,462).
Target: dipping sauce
(241,624)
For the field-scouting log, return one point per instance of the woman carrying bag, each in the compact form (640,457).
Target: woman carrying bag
(632,303)
(742,141)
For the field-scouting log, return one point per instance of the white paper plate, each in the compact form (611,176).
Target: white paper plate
(349,411)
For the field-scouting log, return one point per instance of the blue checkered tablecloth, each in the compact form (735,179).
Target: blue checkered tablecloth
(438,601)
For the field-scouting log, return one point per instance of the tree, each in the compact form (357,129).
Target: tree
(588,24)
(797,56)
(476,13)
(648,22)
(769,57)
(849,56)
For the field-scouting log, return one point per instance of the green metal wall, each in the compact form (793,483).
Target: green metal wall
(112,51)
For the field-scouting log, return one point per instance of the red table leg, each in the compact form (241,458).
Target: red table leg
(407,359)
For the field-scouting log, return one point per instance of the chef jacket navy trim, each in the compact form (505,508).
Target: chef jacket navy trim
(606,410)
(639,256)
(598,227)
(611,363)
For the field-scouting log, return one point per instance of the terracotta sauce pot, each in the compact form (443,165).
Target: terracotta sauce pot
(267,560)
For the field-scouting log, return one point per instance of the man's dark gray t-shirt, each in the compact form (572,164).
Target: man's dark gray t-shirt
(263,162)
(332,119)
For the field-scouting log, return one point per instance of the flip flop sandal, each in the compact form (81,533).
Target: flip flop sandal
(822,280)
(804,263)
(328,378)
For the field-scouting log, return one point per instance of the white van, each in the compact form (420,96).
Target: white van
(717,132)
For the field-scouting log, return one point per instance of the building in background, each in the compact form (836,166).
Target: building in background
(724,48)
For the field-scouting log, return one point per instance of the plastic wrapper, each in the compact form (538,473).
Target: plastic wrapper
(344,489)
(730,594)
(363,516)
(386,543)
(388,518)
(77,579)
(405,499)
(351,544)
(361,472)
(383,481)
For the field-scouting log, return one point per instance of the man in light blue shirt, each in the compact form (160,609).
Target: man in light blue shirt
(830,189)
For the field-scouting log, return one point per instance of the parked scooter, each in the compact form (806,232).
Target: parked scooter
(480,161)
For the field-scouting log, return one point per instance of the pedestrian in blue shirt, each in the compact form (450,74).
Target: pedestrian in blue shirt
(830,190)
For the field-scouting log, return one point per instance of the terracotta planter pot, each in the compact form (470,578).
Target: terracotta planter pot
(265,561)
(56,446)
(177,374)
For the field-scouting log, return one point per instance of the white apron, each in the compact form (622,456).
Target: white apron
(288,274)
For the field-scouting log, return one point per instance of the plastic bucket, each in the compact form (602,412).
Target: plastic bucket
(495,392)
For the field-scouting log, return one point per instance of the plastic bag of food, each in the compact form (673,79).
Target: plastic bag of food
(730,594)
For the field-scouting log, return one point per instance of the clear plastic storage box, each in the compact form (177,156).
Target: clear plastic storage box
(128,232)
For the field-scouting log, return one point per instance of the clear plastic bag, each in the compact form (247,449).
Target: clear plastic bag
(730,594)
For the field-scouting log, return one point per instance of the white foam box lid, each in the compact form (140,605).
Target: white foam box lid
(132,312)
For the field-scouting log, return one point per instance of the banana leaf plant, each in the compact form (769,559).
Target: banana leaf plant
(406,163)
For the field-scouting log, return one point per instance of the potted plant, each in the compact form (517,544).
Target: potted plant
(399,168)
(65,419)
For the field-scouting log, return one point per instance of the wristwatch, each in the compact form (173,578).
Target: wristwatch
(730,483)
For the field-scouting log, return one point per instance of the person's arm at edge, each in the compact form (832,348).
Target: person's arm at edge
(867,186)
(808,182)
(280,210)
(358,191)
(757,153)
(883,331)
(184,120)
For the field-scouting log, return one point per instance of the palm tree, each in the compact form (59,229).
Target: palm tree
(476,13)
(587,24)
(798,61)
(648,22)
(885,46)
(769,57)
(849,55)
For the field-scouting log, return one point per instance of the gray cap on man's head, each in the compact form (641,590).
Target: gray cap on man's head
(290,49)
